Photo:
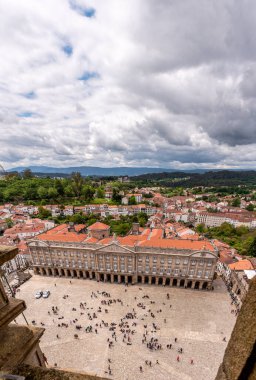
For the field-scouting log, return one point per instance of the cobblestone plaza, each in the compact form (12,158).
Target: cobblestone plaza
(198,319)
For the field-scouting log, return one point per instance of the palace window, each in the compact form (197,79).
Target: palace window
(176,272)
(147,259)
(191,272)
(199,273)
(193,262)
(169,261)
(201,262)
(154,259)
(207,274)
(115,258)
(209,264)
(177,261)
(185,261)
(85,255)
(162,261)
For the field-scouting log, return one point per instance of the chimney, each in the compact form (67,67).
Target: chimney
(71,227)
(135,228)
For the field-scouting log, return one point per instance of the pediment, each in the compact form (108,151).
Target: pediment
(114,247)
(204,254)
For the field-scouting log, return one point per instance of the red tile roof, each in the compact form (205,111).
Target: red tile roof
(98,226)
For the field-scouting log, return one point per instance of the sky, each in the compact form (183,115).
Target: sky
(166,83)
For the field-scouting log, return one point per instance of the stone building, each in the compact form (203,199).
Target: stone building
(144,257)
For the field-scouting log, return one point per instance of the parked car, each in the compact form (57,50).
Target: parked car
(38,294)
(46,293)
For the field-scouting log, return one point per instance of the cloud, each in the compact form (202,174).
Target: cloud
(128,83)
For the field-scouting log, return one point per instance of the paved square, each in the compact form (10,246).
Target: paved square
(199,320)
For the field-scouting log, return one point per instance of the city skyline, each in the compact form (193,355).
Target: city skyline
(156,84)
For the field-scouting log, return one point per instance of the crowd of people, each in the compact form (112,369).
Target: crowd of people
(141,323)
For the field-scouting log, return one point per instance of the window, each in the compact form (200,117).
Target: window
(147,259)
(154,259)
(185,261)
(140,260)
(191,272)
(115,258)
(162,261)
(139,268)
(199,273)
(184,272)
(209,264)
(207,274)
(85,255)
(100,256)
(130,259)
(176,272)
(193,262)
(201,262)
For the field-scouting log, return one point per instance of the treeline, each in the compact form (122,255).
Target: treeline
(240,238)
(76,189)
(211,178)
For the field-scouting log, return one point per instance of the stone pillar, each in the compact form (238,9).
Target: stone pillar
(126,279)
(186,283)
(112,278)
(150,280)
(164,281)
(171,281)
(134,279)
(201,285)
(193,285)
(119,279)
(105,277)
(142,279)
(90,275)
(41,271)
(157,280)
(178,282)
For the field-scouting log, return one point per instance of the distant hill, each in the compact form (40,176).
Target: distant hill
(210,178)
(98,171)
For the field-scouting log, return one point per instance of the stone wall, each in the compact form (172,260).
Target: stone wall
(239,362)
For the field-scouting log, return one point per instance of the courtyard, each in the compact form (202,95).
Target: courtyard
(199,320)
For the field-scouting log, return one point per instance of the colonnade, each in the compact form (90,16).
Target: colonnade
(124,279)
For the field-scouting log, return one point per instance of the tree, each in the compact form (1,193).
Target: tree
(132,200)
(52,192)
(27,173)
(200,228)
(100,193)
(116,197)
(252,248)
(42,192)
(68,190)
(43,213)
(77,183)
(236,202)
(88,192)
(250,207)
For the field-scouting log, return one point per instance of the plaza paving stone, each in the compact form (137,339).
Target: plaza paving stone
(198,319)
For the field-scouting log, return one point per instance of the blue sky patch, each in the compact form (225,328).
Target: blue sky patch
(84,11)
(89,12)
(68,49)
(87,75)
(29,95)
(26,114)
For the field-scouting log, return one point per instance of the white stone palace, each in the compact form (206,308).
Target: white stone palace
(144,256)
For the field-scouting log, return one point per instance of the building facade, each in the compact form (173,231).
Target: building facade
(142,258)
